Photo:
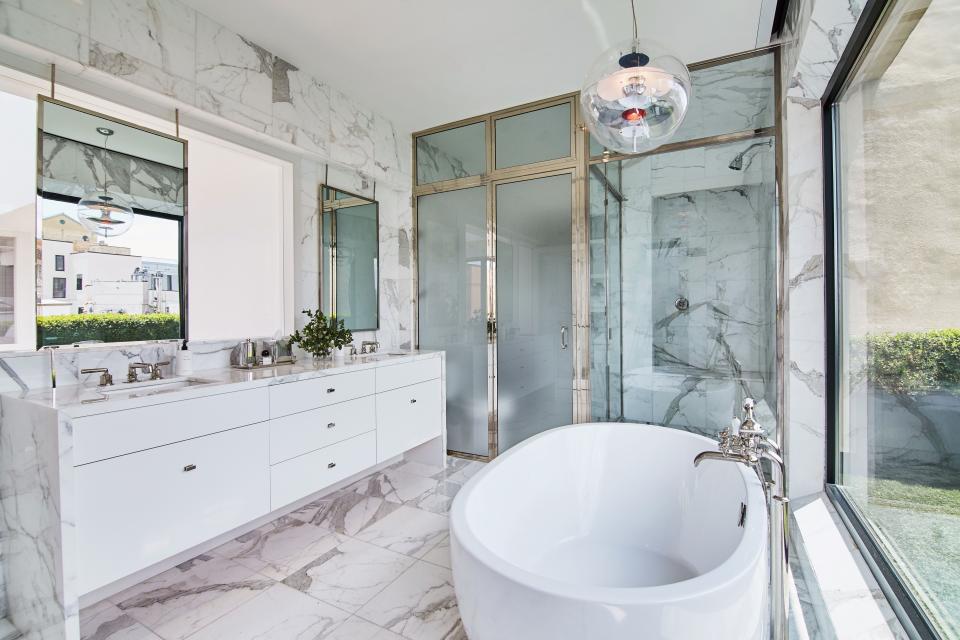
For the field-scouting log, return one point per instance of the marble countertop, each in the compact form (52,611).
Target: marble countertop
(80,400)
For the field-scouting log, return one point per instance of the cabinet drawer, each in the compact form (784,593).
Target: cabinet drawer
(407,417)
(294,397)
(138,509)
(300,433)
(107,435)
(402,375)
(311,472)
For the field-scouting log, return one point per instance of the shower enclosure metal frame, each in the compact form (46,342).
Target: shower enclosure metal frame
(579,164)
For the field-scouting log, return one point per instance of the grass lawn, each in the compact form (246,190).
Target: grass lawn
(915,497)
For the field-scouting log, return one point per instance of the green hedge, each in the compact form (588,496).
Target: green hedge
(914,362)
(107,327)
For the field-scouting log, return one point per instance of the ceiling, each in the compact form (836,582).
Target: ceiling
(428,62)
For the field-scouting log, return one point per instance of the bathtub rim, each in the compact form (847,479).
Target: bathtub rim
(742,562)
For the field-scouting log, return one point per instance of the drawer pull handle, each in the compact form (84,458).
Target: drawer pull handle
(331,425)
(413,401)
(189,467)
(331,465)
(331,390)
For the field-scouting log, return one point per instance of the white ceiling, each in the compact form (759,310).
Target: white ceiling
(428,62)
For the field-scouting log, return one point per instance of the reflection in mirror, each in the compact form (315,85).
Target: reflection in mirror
(350,256)
(110,226)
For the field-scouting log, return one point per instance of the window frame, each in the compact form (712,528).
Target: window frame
(59,262)
(903,601)
(63,290)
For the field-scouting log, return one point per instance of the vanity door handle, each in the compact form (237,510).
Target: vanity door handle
(331,425)
(331,390)
(413,401)
(189,467)
(563,338)
(331,465)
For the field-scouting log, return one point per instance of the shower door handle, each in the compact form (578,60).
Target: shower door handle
(563,338)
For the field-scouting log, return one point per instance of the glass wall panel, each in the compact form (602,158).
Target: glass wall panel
(898,168)
(451,235)
(534,307)
(534,136)
(694,278)
(737,96)
(454,153)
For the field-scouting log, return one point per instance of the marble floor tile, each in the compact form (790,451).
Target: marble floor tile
(420,469)
(345,511)
(440,553)
(439,499)
(350,574)
(419,605)
(359,629)
(460,470)
(407,530)
(105,621)
(279,548)
(395,486)
(190,596)
(279,613)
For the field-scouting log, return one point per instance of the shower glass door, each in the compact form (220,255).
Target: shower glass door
(534,306)
(453,276)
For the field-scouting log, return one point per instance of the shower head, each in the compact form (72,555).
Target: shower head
(737,163)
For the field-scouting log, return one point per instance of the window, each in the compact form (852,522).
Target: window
(59,287)
(894,134)
(79,282)
(60,263)
(169,282)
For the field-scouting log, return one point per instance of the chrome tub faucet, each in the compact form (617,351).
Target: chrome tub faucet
(746,442)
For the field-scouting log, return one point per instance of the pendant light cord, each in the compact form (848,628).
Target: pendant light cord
(633,9)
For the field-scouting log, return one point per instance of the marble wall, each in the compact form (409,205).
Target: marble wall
(74,169)
(817,33)
(164,53)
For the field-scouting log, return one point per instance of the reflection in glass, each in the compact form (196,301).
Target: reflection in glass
(451,232)
(454,153)
(534,307)
(350,254)
(898,447)
(534,136)
(94,284)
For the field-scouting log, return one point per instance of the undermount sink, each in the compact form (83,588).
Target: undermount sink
(152,387)
(379,355)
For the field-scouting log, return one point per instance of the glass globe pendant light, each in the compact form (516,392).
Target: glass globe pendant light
(636,95)
(104,212)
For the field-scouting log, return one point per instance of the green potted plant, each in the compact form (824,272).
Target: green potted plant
(322,335)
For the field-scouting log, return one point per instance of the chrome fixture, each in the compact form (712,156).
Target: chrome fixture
(746,442)
(737,163)
(106,379)
(156,373)
(636,95)
(133,367)
(369,346)
(105,212)
(681,303)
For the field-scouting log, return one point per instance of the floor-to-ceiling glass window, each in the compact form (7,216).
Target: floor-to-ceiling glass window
(683,282)
(895,123)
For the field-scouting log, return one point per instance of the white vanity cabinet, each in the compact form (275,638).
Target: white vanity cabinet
(155,481)
(138,509)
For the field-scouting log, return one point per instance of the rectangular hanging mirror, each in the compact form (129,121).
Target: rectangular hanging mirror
(111,237)
(350,258)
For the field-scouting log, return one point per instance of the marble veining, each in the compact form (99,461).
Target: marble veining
(348,566)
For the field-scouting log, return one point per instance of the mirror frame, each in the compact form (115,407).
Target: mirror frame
(183,219)
(332,266)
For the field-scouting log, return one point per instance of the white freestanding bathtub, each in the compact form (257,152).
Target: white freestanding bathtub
(606,531)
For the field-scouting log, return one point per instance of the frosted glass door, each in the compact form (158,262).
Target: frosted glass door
(451,232)
(534,307)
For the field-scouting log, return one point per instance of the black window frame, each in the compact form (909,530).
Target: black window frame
(79,282)
(903,601)
(63,289)
(59,262)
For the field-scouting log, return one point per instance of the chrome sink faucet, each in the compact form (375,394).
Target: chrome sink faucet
(746,442)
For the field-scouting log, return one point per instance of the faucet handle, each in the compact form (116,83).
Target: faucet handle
(155,372)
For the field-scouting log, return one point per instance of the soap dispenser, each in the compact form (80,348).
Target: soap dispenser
(184,361)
